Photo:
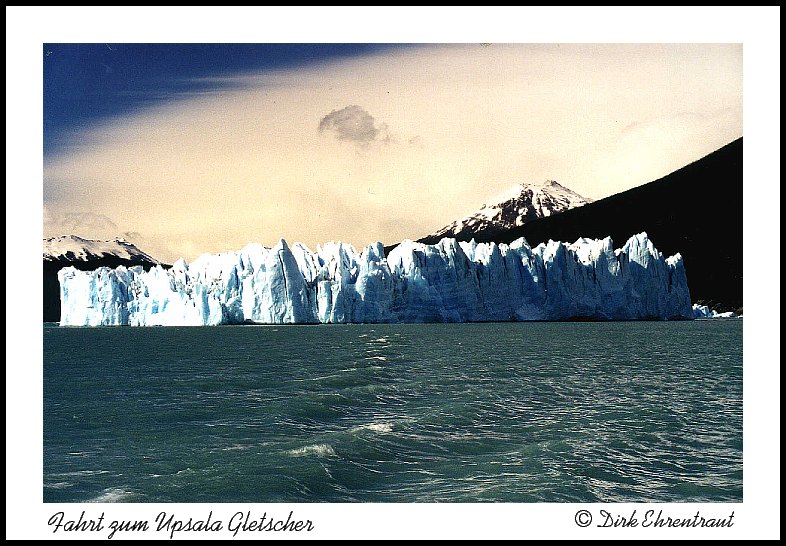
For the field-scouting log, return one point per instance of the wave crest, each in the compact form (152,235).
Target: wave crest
(320,450)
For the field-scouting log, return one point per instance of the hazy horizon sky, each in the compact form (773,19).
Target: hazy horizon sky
(185,149)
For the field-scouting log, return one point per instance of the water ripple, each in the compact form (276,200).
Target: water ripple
(540,412)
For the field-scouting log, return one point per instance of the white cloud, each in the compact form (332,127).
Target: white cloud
(89,225)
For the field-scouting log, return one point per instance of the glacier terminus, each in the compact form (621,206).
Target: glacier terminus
(447,282)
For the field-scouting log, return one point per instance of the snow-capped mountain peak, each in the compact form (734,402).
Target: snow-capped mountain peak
(73,248)
(521,204)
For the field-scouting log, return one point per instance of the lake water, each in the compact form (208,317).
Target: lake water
(498,412)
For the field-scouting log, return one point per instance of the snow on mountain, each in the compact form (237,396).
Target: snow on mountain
(447,282)
(521,204)
(73,248)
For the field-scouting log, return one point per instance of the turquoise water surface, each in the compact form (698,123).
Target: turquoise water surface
(497,412)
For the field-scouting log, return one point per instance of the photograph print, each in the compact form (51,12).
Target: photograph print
(392,273)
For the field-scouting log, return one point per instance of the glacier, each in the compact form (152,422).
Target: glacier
(447,282)
(702,311)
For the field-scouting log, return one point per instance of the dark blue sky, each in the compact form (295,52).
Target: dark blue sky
(84,83)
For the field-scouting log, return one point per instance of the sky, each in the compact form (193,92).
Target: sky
(192,148)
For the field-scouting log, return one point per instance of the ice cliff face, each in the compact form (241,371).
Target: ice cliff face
(702,311)
(447,282)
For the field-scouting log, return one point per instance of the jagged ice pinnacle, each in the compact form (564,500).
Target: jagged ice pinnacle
(447,282)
